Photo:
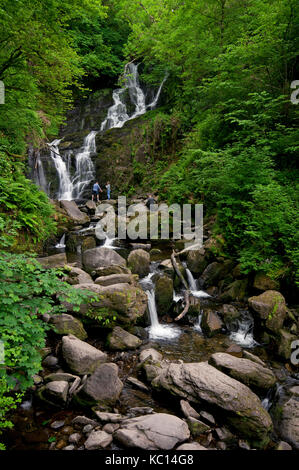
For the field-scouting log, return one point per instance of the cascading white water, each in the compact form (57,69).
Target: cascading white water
(65,183)
(73,187)
(193,286)
(118,114)
(61,243)
(156,330)
(85,171)
(244,334)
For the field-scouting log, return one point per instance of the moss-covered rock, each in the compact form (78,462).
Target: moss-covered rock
(68,325)
(271,308)
(164,294)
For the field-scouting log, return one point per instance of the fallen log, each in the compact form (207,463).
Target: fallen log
(187,302)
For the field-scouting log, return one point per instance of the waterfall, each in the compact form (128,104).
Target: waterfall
(65,184)
(118,113)
(244,334)
(74,187)
(61,243)
(156,330)
(193,286)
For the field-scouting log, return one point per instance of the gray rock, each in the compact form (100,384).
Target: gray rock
(188,411)
(288,423)
(110,428)
(114,279)
(57,424)
(283,446)
(211,324)
(56,376)
(80,356)
(137,384)
(74,212)
(87,428)
(74,438)
(121,340)
(139,411)
(106,417)
(65,324)
(197,427)
(77,276)
(83,420)
(103,385)
(285,343)
(201,382)
(252,357)
(128,301)
(55,392)
(191,446)
(98,440)
(294,390)
(150,353)
(246,371)
(139,262)
(50,362)
(271,307)
(207,417)
(101,257)
(70,447)
(153,432)
(53,261)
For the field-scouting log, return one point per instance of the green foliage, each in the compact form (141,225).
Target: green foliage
(23,207)
(27,291)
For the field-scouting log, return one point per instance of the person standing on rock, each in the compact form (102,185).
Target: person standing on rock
(96,189)
(108,187)
(150,202)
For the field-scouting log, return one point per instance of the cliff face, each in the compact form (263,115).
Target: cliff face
(125,156)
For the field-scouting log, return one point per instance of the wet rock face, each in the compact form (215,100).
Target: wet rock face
(80,357)
(139,262)
(53,261)
(153,432)
(202,382)
(196,261)
(246,371)
(271,308)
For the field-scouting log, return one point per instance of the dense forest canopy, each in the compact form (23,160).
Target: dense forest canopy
(230,65)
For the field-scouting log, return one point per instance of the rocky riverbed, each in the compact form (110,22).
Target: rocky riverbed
(220,378)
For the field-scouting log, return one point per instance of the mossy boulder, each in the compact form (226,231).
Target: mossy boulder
(139,262)
(271,308)
(164,294)
(235,291)
(122,340)
(65,324)
(263,282)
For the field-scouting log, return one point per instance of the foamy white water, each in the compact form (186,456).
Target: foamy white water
(156,330)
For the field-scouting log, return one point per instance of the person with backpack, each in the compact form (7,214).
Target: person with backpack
(96,189)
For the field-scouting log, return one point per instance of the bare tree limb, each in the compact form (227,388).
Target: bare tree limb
(187,302)
(178,272)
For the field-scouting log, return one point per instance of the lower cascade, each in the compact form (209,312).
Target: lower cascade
(156,330)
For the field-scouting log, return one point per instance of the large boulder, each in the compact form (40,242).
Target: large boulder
(235,291)
(215,271)
(101,257)
(53,261)
(153,432)
(74,212)
(110,270)
(98,440)
(284,343)
(211,323)
(246,371)
(77,276)
(114,279)
(196,261)
(103,386)
(121,340)
(288,422)
(81,357)
(54,393)
(271,308)
(68,325)
(127,301)
(164,294)
(201,382)
(139,262)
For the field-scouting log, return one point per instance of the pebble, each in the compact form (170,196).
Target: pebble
(110,428)
(67,430)
(74,438)
(71,447)
(57,424)
(87,428)
(60,444)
